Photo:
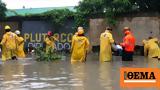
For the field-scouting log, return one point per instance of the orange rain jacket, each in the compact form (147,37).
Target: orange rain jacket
(128,42)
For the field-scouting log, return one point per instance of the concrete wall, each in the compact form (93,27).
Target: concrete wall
(97,26)
(140,26)
(34,31)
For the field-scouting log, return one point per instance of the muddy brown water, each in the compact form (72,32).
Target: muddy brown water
(29,74)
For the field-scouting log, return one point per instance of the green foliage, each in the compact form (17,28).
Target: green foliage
(2,10)
(58,16)
(41,55)
(104,8)
(87,9)
(147,5)
(110,9)
(80,20)
(115,8)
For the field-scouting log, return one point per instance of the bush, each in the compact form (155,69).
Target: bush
(51,55)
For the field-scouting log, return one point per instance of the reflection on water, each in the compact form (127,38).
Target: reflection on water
(105,75)
(61,75)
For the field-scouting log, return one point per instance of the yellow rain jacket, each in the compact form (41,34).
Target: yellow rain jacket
(152,48)
(159,48)
(80,46)
(144,42)
(20,47)
(50,43)
(106,40)
(74,36)
(8,45)
(5,54)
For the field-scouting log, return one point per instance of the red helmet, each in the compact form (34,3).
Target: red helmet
(127,32)
(49,33)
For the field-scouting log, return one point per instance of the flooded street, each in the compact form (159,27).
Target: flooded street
(61,75)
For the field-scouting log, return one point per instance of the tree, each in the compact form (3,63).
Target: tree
(2,10)
(89,8)
(112,8)
(147,5)
(58,16)
(118,6)
(103,8)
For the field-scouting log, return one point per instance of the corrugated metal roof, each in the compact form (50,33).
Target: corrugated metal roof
(28,11)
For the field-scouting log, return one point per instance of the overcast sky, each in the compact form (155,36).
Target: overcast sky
(18,4)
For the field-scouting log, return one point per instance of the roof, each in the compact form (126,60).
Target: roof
(28,11)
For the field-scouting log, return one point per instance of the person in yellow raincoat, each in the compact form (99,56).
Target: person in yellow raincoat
(50,41)
(20,45)
(9,45)
(144,42)
(80,46)
(152,48)
(106,40)
(74,36)
(159,49)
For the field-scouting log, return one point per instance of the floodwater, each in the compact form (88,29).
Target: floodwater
(29,74)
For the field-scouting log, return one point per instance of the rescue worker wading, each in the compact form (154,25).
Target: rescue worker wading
(20,45)
(106,40)
(152,48)
(74,36)
(144,43)
(80,46)
(128,45)
(50,41)
(9,45)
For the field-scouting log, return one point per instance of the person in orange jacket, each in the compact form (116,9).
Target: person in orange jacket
(128,45)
